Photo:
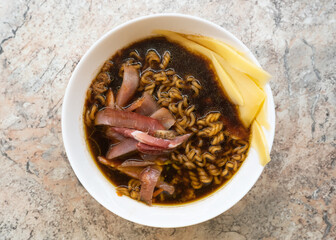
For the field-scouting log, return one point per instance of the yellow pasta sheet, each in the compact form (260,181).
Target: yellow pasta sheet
(259,143)
(262,116)
(253,96)
(240,63)
(228,84)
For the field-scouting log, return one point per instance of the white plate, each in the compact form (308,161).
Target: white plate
(83,164)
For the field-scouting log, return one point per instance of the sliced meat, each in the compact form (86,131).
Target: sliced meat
(148,106)
(153,141)
(151,150)
(115,163)
(149,147)
(159,142)
(164,117)
(127,146)
(160,159)
(165,186)
(113,135)
(129,85)
(135,105)
(103,160)
(119,118)
(149,178)
(136,163)
(135,172)
(110,101)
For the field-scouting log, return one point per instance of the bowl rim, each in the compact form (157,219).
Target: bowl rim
(71,154)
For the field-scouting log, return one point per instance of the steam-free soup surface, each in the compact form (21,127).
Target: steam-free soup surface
(210,99)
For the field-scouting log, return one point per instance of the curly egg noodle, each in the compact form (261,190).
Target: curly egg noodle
(213,154)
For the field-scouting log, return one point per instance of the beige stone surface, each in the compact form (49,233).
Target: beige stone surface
(42,41)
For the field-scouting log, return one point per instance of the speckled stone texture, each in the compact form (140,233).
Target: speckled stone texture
(42,41)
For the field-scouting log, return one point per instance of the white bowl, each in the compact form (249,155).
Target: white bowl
(86,169)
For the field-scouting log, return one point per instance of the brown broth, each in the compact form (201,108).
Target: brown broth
(211,98)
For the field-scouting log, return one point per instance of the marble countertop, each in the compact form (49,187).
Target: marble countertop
(42,41)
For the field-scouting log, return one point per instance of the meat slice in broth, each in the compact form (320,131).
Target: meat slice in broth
(129,85)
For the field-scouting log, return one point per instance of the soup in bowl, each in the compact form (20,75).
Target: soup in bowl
(165,120)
